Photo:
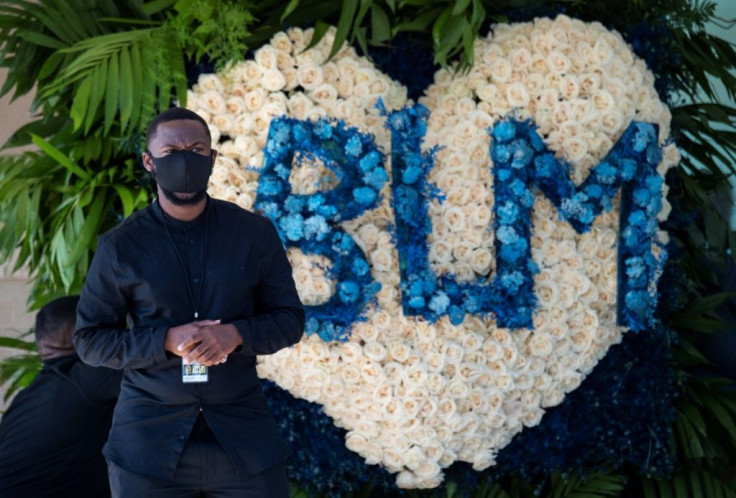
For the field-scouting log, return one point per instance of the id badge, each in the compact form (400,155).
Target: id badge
(193,372)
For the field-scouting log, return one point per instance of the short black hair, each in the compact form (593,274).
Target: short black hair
(175,114)
(56,321)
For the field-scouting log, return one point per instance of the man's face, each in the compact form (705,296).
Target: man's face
(174,136)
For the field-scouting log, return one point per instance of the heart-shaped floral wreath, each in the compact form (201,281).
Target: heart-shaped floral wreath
(427,377)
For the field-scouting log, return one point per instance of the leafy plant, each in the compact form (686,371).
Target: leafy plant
(17,371)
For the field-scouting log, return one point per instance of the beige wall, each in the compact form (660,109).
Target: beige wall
(14,287)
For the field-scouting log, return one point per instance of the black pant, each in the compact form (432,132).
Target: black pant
(204,471)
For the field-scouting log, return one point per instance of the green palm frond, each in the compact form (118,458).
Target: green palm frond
(690,483)
(597,485)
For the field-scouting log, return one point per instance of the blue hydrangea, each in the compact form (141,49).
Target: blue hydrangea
(316,227)
(348,291)
(323,129)
(365,195)
(411,174)
(504,131)
(507,213)
(507,234)
(376,178)
(354,147)
(439,303)
(292,226)
(370,161)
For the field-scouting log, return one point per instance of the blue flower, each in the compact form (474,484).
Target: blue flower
(311,326)
(638,301)
(348,291)
(512,281)
(354,147)
(294,203)
(301,132)
(292,226)
(506,234)
(323,129)
(376,178)
(365,195)
(411,174)
(269,186)
(507,213)
(370,161)
(457,315)
(605,173)
(501,154)
(316,227)
(270,209)
(504,131)
(439,303)
(360,267)
(523,155)
(416,302)
(512,252)
(628,169)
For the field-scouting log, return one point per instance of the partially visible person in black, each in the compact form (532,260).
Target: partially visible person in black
(202,281)
(52,434)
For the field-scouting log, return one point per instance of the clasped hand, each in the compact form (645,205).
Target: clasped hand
(207,342)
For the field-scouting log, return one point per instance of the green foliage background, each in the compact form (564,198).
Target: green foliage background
(103,68)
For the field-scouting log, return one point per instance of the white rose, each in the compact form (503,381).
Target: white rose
(309,77)
(375,351)
(541,344)
(457,389)
(324,94)
(517,95)
(392,459)
(281,42)
(372,373)
(407,480)
(349,373)
(394,373)
(446,408)
(330,73)
(356,442)
(273,80)
(211,82)
(416,375)
(504,382)
(266,57)
(311,57)
(501,70)
(212,102)
(381,259)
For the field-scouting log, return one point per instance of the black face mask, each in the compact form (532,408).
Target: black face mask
(182,171)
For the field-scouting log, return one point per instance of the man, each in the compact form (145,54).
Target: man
(205,286)
(52,434)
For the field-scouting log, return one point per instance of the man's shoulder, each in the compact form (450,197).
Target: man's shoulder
(132,225)
(239,213)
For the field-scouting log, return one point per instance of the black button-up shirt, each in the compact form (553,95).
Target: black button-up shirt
(137,275)
(51,437)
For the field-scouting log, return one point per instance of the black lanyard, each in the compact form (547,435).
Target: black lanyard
(187,277)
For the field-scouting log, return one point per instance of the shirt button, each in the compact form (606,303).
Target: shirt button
(196,280)
(181,438)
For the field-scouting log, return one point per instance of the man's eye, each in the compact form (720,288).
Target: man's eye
(196,149)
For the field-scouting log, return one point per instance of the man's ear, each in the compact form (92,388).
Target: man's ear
(147,162)
(214,156)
